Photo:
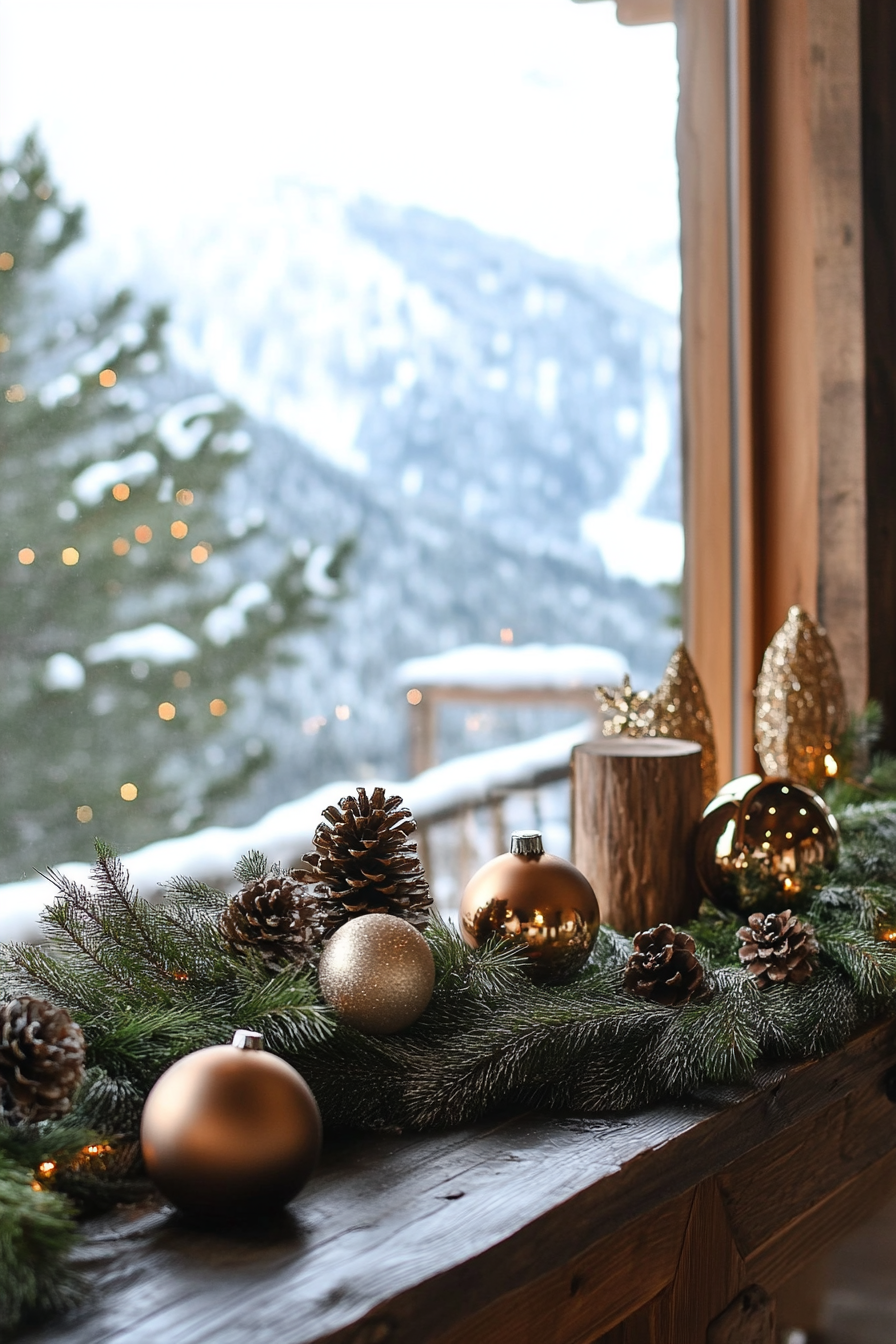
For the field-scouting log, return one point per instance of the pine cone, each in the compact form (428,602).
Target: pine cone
(41,1059)
(777,948)
(365,863)
(663,966)
(277,917)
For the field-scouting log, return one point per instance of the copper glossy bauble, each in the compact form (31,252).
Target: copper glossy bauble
(762,836)
(230,1132)
(378,973)
(537,901)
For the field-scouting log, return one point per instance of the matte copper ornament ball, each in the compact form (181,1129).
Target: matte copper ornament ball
(230,1132)
(537,901)
(378,973)
(760,836)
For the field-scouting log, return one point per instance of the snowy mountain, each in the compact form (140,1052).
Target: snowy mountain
(496,429)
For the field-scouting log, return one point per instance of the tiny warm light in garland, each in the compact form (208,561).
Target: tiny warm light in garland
(7,261)
(46,1168)
(121,491)
(143,534)
(217,707)
(179,529)
(167,711)
(128,792)
(26,556)
(15,393)
(121,546)
(70,556)
(414,696)
(108,378)
(84,813)
(830,766)
(199,554)
(184,496)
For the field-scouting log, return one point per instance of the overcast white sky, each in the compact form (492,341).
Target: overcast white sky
(540,119)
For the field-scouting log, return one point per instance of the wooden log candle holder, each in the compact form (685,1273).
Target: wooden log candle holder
(636,802)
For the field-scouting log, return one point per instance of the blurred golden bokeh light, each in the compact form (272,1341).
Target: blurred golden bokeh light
(167,711)
(343,712)
(128,792)
(184,496)
(179,529)
(217,707)
(199,554)
(108,378)
(143,534)
(121,491)
(7,261)
(15,393)
(70,556)
(84,813)
(414,696)
(121,546)
(26,556)
(182,680)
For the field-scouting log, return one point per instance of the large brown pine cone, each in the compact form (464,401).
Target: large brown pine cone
(663,966)
(277,917)
(41,1059)
(365,863)
(777,948)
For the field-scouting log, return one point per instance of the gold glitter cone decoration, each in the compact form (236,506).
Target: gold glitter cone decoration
(680,710)
(800,703)
(677,708)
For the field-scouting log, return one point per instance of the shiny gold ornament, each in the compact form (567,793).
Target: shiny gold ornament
(230,1132)
(677,708)
(800,703)
(378,973)
(630,712)
(537,901)
(760,838)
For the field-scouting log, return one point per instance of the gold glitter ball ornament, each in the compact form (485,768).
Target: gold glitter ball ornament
(677,708)
(230,1132)
(761,838)
(538,902)
(378,973)
(801,709)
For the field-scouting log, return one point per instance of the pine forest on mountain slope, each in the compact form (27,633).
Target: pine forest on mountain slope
(79,717)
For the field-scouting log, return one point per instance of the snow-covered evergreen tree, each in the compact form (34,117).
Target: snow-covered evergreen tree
(130,625)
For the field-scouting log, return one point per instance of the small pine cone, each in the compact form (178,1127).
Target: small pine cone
(365,863)
(41,1060)
(274,916)
(663,966)
(777,948)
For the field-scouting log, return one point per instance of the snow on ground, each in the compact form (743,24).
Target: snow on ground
(520,667)
(285,834)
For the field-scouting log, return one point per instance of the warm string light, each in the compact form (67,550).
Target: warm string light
(121,491)
(128,792)
(26,556)
(506,635)
(184,496)
(143,534)
(70,556)
(121,546)
(217,708)
(84,813)
(15,393)
(167,711)
(7,261)
(199,554)
(179,530)
(108,378)
(414,696)
(343,712)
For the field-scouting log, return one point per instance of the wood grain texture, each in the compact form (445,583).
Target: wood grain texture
(635,807)
(750,1319)
(878,61)
(404,1239)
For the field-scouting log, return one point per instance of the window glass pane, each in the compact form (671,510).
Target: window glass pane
(418,389)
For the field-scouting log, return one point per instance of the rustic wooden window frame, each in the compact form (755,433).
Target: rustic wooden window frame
(787,155)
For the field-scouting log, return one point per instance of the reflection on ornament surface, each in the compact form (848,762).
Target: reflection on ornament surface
(537,902)
(760,836)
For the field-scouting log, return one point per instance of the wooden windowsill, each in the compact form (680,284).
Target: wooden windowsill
(530,1229)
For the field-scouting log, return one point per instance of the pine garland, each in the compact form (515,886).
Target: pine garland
(150,982)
